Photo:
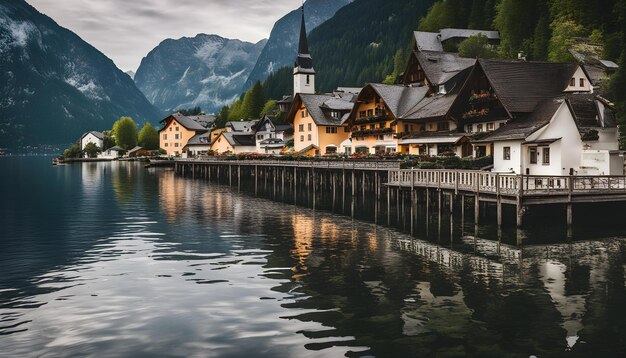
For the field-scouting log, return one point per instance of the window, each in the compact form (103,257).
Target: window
(501,124)
(382,125)
(479,127)
(301,138)
(165,136)
(176,145)
(309,127)
(170,129)
(372,126)
(468,128)
(176,136)
(506,155)
(346,129)
(572,82)
(362,114)
(308,137)
(308,79)
(331,129)
(582,82)
(443,126)
(166,144)
(489,126)
(301,127)
(260,136)
(532,151)
(178,129)
(546,156)
(370,112)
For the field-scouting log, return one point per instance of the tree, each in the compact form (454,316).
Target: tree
(563,33)
(222,117)
(438,17)
(253,102)
(236,111)
(477,46)
(194,111)
(149,137)
(516,21)
(125,131)
(269,108)
(109,141)
(73,151)
(92,150)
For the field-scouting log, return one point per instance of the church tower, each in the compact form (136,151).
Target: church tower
(303,72)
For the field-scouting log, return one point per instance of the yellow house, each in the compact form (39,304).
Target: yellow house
(375,120)
(177,131)
(319,122)
(231,142)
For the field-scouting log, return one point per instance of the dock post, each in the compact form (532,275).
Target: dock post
(451,202)
(388,205)
(256,180)
(314,182)
(377,185)
(343,190)
(363,184)
(208,169)
(239,177)
(353,182)
(519,204)
(282,184)
(498,201)
(295,185)
(462,214)
(274,174)
(230,175)
(570,214)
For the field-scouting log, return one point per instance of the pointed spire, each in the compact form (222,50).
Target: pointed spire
(303,47)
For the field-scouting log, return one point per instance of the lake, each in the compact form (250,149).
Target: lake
(112,259)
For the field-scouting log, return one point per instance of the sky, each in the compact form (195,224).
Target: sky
(126,30)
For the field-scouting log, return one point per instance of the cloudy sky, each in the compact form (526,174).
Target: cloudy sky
(126,30)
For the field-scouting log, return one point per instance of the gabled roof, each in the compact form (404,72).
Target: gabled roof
(521,85)
(586,112)
(184,121)
(427,41)
(96,134)
(440,67)
(136,148)
(242,126)
(320,107)
(204,120)
(431,107)
(200,139)
(239,140)
(446,34)
(522,127)
(399,99)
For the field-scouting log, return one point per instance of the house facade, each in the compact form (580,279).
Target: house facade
(94,137)
(178,130)
(272,138)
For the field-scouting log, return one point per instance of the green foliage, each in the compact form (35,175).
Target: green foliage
(236,111)
(73,151)
(279,83)
(125,131)
(516,19)
(563,33)
(92,150)
(149,137)
(399,64)
(108,142)
(270,108)
(477,46)
(193,111)
(222,117)
(253,102)
(450,13)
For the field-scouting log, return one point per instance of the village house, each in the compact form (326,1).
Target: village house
(112,153)
(94,137)
(318,120)
(238,137)
(272,138)
(448,39)
(573,134)
(178,130)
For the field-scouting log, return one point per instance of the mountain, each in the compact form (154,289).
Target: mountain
(206,71)
(131,74)
(282,44)
(357,45)
(54,86)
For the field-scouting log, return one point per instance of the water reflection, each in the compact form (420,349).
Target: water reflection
(154,263)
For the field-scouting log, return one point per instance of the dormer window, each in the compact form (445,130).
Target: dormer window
(582,82)
(572,82)
(442,89)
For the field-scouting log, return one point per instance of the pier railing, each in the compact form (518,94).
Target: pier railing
(321,164)
(506,184)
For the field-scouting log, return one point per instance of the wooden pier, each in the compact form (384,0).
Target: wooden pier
(441,187)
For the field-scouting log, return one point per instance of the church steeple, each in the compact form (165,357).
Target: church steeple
(303,72)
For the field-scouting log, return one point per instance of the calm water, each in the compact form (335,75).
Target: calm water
(111,259)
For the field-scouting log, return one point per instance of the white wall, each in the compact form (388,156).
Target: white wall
(578,75)
(90,138)
(507,166)
(300,85)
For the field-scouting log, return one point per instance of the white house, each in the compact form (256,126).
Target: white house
(94,137)
(574,134)
(271,138)
(112,153)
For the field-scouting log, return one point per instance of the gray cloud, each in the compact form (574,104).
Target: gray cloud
(126,30)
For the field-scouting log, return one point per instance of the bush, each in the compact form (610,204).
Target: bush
(73,152)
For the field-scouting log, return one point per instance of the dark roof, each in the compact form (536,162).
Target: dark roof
(309,147)
(96,134)
(434,137)
(320,106)
(431,107)
(243,140)
(446,34)
(136,148)
(242,126)
(522,127)
(286,100)
(595,73)
(427,41)
(521,85)
(440,67)
(586,111)
(184,121)
(398,98)
(204,120)
(200,139)
(303,60)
